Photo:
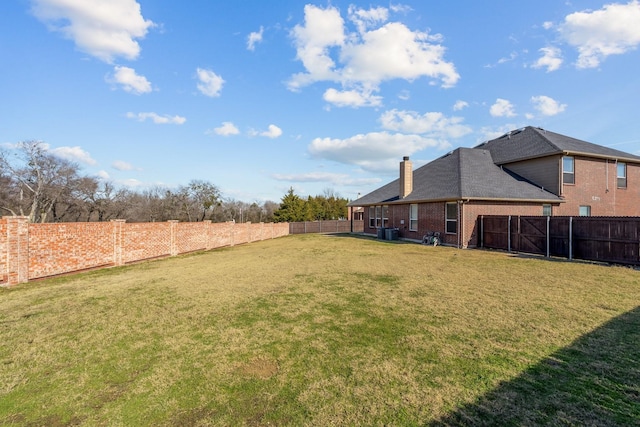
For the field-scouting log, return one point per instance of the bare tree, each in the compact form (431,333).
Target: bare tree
(42,178)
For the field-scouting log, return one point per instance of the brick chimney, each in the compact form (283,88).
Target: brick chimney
(406,177)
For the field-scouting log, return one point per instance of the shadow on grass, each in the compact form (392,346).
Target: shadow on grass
(595,381)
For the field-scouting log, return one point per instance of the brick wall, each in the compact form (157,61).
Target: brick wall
(596,186)
(32,251)
(3,251)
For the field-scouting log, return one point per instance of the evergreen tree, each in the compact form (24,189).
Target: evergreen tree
(292,208)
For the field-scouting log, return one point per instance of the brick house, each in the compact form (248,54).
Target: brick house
(529,171)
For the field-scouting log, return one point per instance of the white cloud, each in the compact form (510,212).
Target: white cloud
(226,129)
(502,108)
(404,95)
(132,182)
(74,154)
(551,59)
(547,25)
(103,29)
(547,106)
(361,60)
(157,119)
(459,105)
(122,165)
(104,175)
(272,132)
(210,83)
(351,98)
(612,30)
(323,29)
(372,151)
(253,38)
(433,124)
(333,178)
(488,133)
(364,19)
(130,81)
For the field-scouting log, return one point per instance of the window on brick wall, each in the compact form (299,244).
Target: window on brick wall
(378,216)
(413,217)
(622,175)
(585,211)
(385,216)
(568,175)
(372,217)
(451,217)
(546,210)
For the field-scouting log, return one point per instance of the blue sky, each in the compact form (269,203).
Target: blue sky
(257,97)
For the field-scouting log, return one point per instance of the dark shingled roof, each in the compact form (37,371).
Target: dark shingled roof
(466,173)
(531,142)
(481,173)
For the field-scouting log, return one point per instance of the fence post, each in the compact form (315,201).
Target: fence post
(548,237)
(17,249)
(570,238)
(509,234)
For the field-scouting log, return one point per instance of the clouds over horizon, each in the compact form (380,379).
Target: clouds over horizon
(157,118)
(359,61)
(73,154)
(405,133)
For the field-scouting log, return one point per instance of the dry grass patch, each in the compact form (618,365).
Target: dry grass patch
(320,330)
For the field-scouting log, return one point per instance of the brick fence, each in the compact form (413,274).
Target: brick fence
(33,251)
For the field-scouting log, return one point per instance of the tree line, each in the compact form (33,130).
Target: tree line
(46,188)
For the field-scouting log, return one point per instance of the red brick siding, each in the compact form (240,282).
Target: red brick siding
(190,237)
(31,251)
(431,217)
(596,186)
(145,241)
(58,248)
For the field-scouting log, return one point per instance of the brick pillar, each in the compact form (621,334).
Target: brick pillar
(209,233)
(117,241)
(173,248)
(17,249)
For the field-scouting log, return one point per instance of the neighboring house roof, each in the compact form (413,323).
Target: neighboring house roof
(465,173)
(477,173)
(531,142)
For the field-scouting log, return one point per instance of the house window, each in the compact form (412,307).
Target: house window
(546,210)
(413,217)
(378,217)
(568,176)
(372,217)
(385,216)
(452,217)
(622,175)
(585,211)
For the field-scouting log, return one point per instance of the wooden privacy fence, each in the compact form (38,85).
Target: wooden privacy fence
(326,226)
(604,239)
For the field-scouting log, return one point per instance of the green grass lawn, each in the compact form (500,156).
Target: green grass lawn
(325,330)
